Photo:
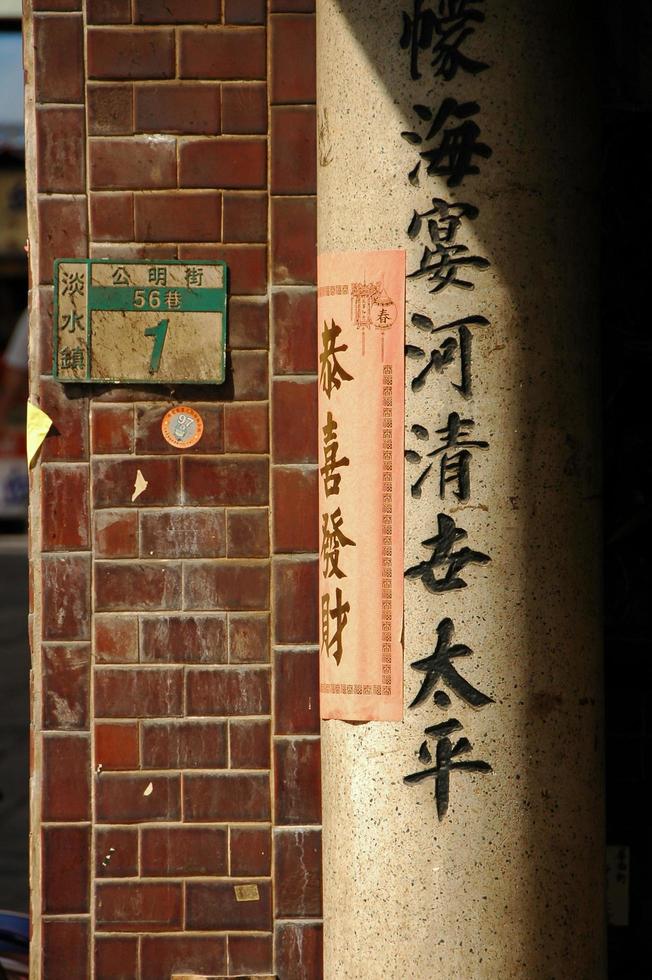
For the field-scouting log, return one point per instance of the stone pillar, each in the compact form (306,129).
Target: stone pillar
(509,883)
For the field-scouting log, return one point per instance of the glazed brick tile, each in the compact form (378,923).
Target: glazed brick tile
(177,108)
(297,781)
(168,955)
(108,11)
(112,428)
(244,109)
(65,951)
(66,224)
(179,217)
(177,11)
(292,6)
(227,797)
(142,585)
(116,852)
(295,491)
(244,217)
(250,954)
(245,11)
(140,163)
(137,905)
(246,428)
(224,162)
(116,959)
(295,334)
(117,746)
(145,692)
(66,860)
(183,534)
(184,639)
(56,6)
(110,109)
(121,253)
(61,150)
(231,481)
(125,54)
(64,508)
(59,59)
(66,794)
(116,639)
(66,680)
(115,534)
(228,691)
(299,950)
(225,53)
(294,240)
(184,745)
(247,265)
(293,56)
(67,439)
(120,798)
(247,533)
(248,638)
(296,692)
(43,297)
(228,585)
(296,601)
(214,906)
(248,323)
(66,597)
(294,150)
(251,851)
(112,217)
(249,374)
(149,435)
(297,874)
(187,851)
(250,744)
(114,481)
(296,400)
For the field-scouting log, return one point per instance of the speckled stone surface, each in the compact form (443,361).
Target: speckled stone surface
(510,883)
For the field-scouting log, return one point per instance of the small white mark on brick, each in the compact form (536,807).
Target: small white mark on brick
(149,789)
(139,487)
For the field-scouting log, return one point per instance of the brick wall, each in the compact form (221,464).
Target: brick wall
(175,696)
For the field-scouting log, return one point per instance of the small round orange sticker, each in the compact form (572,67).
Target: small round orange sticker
(182,427)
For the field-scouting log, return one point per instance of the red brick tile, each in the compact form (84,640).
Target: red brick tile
(247,265)
(298,781)
(123,54)
(150,439)
(248,323)
(165,956)
(250,745)
(64,232)
(64,508)
(250,954)
(169,851)
(176,11)
(141,585)
(43,299)
(178,217)
(66,778)
(59,59)
(228,691)
(116,852)
(116,959)
(116,639)
(249,639)
(292,6)
(58,6)
(184,639)
(108,11)
(297,874)
(184,745)
(226,161)
(110,109)
(120,798)
(222,53)
(61,150)
(116,746)
(294,150)
(248,533)
(225,482)
(183,534)
(137,905)
(68,436)
(251,850)
(226,797)
(115,534)
(245,11)
(112,428)
(66,677)
(227,585)
(245,218)
(137,163)
(112,217)
(66,597)
(177,108)
(293,56)
(146,692)
(294,237)
(215,906)
(246,428)
(296,692)
(244,109)
(66,858)
(114,481)
(296,590)
(295,492)
(296,400)
(65,950)
(299,951)
(295,331)
(249,373)
(121,253)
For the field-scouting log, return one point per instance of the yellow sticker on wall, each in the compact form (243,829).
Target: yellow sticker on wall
(38,426)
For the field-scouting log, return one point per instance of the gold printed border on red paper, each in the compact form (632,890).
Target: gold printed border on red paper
(361,337)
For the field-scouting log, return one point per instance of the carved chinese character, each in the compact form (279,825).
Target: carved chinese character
(455,461)
(443,31)
(457,347)
(443,263)
(73,283)
(458,146)
(71,359)
(194,276)
(120,276)
(72,321)
(173,299)
(438,668)
(440,573)
(158,275)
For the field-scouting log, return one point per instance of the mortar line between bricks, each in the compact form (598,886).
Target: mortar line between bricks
(60,105)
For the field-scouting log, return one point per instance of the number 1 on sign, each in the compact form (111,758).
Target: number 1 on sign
(159,333)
